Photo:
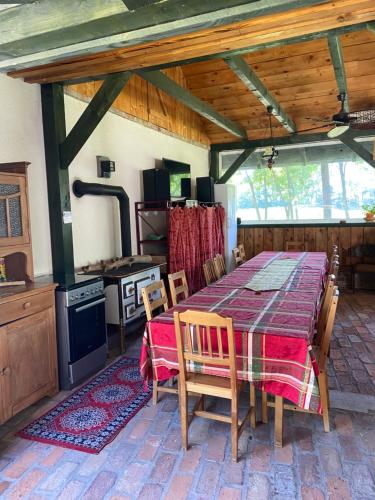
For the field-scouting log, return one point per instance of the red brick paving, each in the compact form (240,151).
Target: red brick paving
(145,460)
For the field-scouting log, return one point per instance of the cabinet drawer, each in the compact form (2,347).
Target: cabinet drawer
(25,306)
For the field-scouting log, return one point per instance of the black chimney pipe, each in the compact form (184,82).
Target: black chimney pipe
(81,188)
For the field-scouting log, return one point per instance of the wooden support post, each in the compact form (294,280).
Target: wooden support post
(257,87)
(91,117)
(236,165)
(57,180)
(170,87)
(214,164)
(337,57)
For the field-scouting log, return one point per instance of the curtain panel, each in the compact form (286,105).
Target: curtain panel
(195,235)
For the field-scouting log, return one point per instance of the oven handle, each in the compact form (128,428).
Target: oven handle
(92,304)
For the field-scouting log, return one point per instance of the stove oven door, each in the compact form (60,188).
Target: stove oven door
(139,284)
(87,327)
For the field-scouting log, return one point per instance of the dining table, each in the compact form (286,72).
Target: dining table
(274,301)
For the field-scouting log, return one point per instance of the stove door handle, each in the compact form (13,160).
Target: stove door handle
(92,304)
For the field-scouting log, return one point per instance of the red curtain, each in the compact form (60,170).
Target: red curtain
(195,235)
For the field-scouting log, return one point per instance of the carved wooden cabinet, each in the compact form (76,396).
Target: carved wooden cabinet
(28,354)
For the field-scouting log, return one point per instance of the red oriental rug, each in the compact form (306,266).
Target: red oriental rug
(92,416)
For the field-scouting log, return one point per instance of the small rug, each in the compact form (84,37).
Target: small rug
(92,416)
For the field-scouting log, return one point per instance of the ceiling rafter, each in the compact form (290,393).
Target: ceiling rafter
(337,57)
(246,74)
(170,87)
(34,33)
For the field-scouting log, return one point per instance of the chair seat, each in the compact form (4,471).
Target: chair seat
(210,385)
(364,268)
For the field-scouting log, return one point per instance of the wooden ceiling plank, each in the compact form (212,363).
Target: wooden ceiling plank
(91,117)
(337,57)
(362,152)
(170,87)
(238,162)
(256,86)
(156,21)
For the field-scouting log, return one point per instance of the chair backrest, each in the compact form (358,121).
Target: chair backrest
(152,304)
(334,266)
(206,338)
(178,290)
(326,339)
(335,251)
(209,272)
(294,246)
(241,248)
(237,257)
(325,305)
(219,266)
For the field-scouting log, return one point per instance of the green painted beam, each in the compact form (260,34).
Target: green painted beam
(246,74)
(237,52)
(136,4)
(92,116)
(214,165)
(356,147)
(54,131)
(238,162)
(170,87)
(45,31)
(337,58)
(282,141)
(371,27)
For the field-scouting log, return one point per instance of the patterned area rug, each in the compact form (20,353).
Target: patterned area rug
(91,417)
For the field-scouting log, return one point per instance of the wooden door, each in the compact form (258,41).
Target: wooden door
(14,218)
(29,352)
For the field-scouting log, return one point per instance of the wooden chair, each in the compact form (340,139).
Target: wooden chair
(181,289)
(241,248)
(152,305)
(334,266)
(294,246)
(324,309)
(200,346)
(209,272)
(219,266)
(237,257)
(365,257)
(321,357)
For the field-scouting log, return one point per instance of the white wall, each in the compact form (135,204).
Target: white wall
(131,145)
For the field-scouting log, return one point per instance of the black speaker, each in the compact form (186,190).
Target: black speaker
(205,189)
(156,184)
(186,187)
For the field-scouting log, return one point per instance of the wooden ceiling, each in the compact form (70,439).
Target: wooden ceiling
(299,75)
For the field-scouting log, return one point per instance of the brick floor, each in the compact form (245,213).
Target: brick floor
(145,460)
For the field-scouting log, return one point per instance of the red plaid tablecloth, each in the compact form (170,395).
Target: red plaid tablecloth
(273,329)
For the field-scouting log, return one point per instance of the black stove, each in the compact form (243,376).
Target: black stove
(73,281)
(123,270)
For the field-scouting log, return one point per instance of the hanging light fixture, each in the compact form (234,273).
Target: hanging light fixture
(270,153)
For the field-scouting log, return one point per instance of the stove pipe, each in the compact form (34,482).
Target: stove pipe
(81,188)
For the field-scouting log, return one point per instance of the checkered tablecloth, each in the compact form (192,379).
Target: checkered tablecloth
(273,329)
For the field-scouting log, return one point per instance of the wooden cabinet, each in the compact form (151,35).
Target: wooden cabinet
(28,355)
(15,238)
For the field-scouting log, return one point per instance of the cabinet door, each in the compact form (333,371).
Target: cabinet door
(13,210)
(5,410)
(30,346)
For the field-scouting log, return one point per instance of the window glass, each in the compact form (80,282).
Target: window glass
(307,183)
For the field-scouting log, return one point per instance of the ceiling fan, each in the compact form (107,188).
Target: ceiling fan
(343,120)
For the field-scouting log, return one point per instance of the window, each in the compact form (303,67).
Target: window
(311,182)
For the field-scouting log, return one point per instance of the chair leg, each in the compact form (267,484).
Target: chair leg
(324,397)
(264,408)
(279,407)
(234,430)
(253,410)
(182,395)
(154,392)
